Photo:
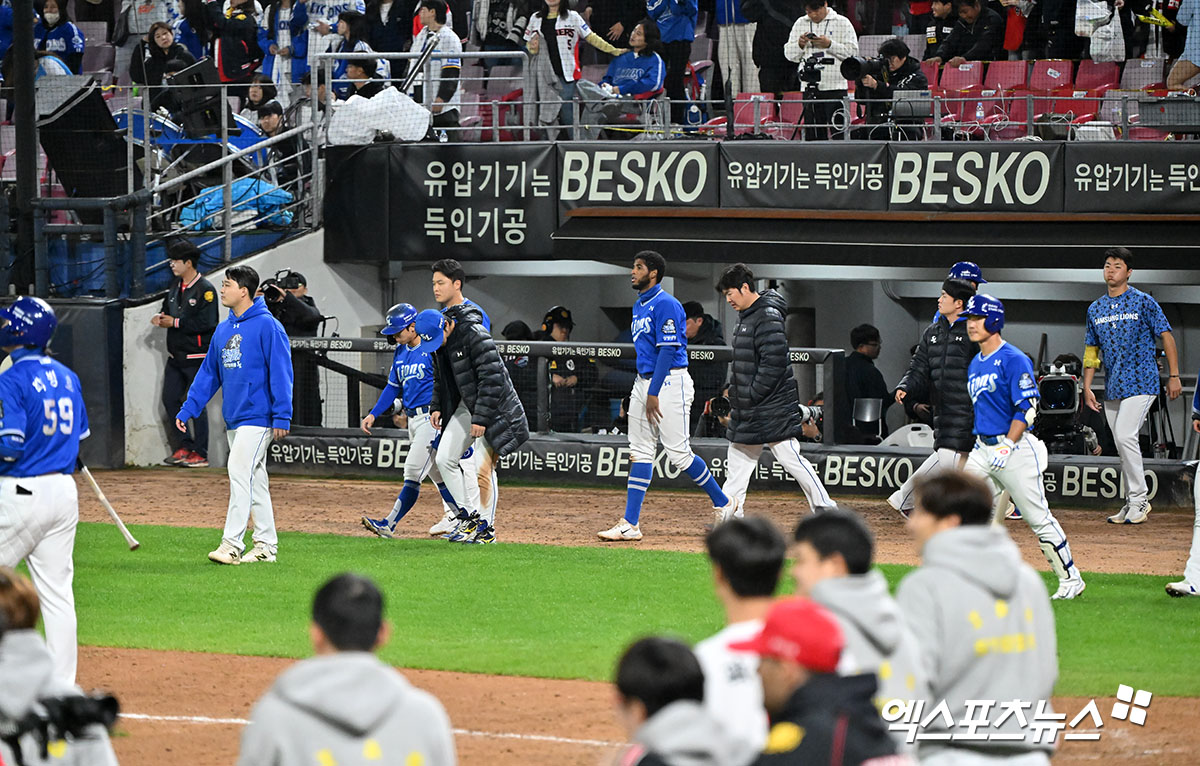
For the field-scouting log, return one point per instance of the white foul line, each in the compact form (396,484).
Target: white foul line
(464,732)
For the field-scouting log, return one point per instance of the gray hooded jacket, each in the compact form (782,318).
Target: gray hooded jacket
(877,639)
(25,677)
(685,734)
(352,707)
(985,629)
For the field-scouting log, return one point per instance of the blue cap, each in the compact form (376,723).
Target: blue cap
(968,271)
(429,329)
(398,317)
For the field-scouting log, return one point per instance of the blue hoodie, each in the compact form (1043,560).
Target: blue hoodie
(730,12)
(634,75)
(676,19)
(250,360)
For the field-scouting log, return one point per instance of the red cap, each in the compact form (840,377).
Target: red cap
(799,631)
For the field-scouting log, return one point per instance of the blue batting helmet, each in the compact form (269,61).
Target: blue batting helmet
(429,328)
(30,322)
(991,309)
(968,271)
(398,317)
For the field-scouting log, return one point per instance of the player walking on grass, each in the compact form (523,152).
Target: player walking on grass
(42,419)
(411,383)
(1004,392)
(250,360)
(1190,584)
(661,398)
(475,405)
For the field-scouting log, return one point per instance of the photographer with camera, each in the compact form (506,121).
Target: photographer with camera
(820,40)
(763,398)
(879,78)
(288,300)
(36,707)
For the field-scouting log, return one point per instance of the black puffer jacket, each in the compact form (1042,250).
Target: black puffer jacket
(938,374)
(766,403)
(468,369)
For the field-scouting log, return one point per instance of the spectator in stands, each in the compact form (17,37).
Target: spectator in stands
(193,29)
(978,36)
(344,704)
(901,73)
(572,377)
(389,28)
(676,21)
(358,73)
(920,15)
(660,703)
(133,24)
(288,159)
(735,47)
(287,298)
(1056,33)
(552,39)
(863,379)
(499,25)
(283,37)
(522,369)
(235,49)
(157,56)
(822,30)
(638,71)
(352,29)
(56,34)
(261,91)
(702,329)
(615,20)
(446,85)
(300,110)
(774,20)
(1188,64)
(941,23)
(96,10)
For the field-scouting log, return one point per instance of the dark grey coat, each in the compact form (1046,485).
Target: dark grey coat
(762,391)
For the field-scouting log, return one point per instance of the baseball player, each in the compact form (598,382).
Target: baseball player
(1121,327)
(250,360)
(411,383)
(1004,394)
(661,397)
(42,419)
(1190,584)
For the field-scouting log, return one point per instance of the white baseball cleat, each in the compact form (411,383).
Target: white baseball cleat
(1181,589)
(622,532)
(226,554)
(1119,516)
(725,512)
(260,552)
(1068,589)
(448,522)
(1139,514)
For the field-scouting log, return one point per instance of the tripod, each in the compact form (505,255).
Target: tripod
(1162,432)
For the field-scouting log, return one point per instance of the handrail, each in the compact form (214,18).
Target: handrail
(230,158)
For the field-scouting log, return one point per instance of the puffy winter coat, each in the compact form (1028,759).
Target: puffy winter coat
(468,369)
(766,403)
(938,374)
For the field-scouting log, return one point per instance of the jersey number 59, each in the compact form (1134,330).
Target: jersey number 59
(60,418)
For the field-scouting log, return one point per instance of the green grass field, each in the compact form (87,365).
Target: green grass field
(526,609)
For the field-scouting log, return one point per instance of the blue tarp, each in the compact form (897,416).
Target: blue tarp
(248,194)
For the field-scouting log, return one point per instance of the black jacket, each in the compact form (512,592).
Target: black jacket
(196,316)
(237,51)
(468,370)
(299,316)
(981,41)
(775,19)
(392,36)
(908,77)
(938,374)
(937,33)
(864,381)
(762,391)
(707,376)
(829,715)
(148,63)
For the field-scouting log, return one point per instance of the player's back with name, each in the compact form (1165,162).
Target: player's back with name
(41,402)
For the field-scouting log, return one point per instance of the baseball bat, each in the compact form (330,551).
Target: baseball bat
(133,543)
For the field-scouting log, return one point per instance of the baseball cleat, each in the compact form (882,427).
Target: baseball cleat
(1139,514)
(175,457)
(485,535)
(226,554)
(260,552)
(622,532)
(1068,589)
(1013,512)
(1119,516)
(378,527)
(467,529)
(444,526)
(1181,589)
(193,460)
(725,512)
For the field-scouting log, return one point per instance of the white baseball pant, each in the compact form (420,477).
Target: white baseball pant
(249,488)
(1191,572)
(673,430)
(1125,418)
(736,55)
(461,473)
(38,516)
(1021,477)
(939,460)
(743,459)
(419,462)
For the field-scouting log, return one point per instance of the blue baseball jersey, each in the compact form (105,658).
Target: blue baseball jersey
(41,406)
(1001,384)
(412,374)
(1124,328)
(487,322)
(658,320)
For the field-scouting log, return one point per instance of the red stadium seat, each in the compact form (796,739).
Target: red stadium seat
(1006,75)
(1052,74)
(1095,75)
(930,69)
(961,77)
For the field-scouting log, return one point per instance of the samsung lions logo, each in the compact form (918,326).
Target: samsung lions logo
(982,383)
(668,327)
(640,326)
(231,355)
(1026,382)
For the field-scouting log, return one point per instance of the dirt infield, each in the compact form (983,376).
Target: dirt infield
(193,704)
